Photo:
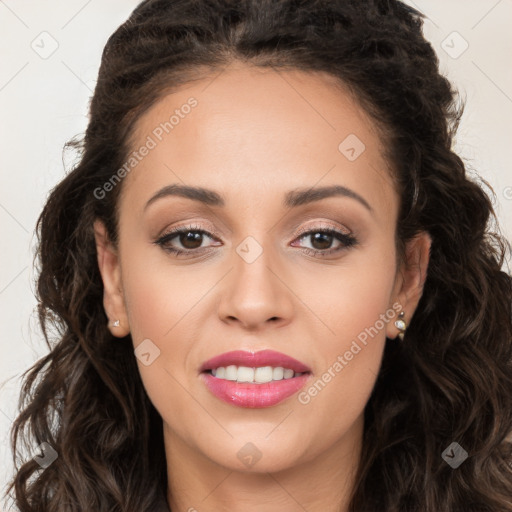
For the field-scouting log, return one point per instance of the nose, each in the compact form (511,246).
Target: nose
(256,294)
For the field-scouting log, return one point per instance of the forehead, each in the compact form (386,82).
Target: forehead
(252,133)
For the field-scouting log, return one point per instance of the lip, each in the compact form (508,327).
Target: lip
(245,394)
(255,359)
(253,395)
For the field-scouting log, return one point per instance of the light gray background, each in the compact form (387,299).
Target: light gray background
(44,102)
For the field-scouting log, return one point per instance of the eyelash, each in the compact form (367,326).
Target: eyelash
(345,239)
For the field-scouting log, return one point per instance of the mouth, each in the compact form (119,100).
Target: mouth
(254,379)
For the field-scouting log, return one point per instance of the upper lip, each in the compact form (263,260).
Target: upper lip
(254,359)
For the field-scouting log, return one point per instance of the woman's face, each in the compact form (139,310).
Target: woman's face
(265,274)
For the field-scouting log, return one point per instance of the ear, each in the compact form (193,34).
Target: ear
(410,278)
(113,299)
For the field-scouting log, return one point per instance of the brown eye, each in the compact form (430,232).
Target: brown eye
(190,239)
(321,241)
(181,241)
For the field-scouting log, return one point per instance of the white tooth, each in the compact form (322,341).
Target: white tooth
(245,374)
(278,373)
(288,374)
(231,372)
(263,374)
(258,375)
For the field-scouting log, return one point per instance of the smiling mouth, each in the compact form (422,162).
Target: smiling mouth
(254,375)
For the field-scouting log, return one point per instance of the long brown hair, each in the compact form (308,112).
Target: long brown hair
(449,381)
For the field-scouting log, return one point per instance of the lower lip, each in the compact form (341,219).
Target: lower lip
(245,394)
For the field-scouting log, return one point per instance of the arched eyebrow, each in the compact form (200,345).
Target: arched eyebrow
(301,196)
(292,199)
(203,195)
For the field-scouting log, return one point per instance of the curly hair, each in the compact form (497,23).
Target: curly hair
(451,378)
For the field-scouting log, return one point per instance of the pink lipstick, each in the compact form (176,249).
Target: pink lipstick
(254,379)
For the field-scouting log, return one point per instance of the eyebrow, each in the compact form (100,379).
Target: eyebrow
(292,199)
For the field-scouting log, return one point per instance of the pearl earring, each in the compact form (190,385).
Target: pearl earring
(115,323)
(401,325)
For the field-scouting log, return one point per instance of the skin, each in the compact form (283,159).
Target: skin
(255,135)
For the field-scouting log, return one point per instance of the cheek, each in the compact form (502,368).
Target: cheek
(160,308)
(355,307)
(351,295)
(157,295)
